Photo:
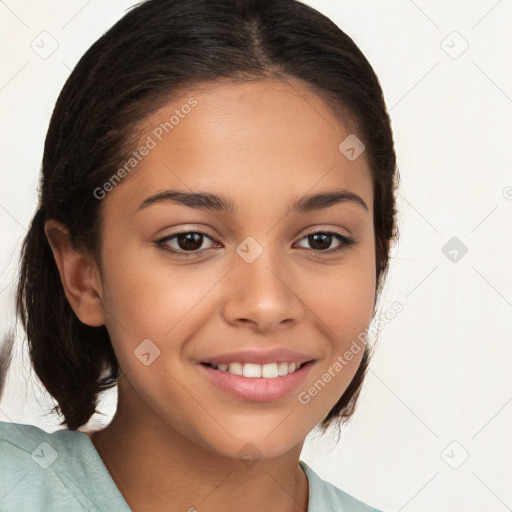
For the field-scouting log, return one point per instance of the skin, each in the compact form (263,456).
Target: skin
(174,441)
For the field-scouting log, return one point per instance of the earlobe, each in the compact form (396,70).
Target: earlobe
(78,273)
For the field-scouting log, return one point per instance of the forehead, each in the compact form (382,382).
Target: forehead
(244,140)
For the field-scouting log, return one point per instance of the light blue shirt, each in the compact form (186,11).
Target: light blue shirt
(63,472)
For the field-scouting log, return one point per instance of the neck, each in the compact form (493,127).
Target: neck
(157,468)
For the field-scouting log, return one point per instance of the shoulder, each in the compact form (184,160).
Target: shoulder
(36,468)
(35,448)
(325,497)
(19,433)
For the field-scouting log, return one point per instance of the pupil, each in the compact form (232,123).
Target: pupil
(190,241)
(324,237)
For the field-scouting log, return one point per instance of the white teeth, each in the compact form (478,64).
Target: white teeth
(269,371)
(252,370)
(283,369)
(236,368)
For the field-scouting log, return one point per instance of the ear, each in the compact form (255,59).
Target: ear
(78,273)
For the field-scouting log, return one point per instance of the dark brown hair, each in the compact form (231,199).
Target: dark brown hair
(159,48)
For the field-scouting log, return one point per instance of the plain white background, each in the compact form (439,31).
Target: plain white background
(432,431)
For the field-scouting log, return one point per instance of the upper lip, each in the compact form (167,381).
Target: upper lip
(259,357)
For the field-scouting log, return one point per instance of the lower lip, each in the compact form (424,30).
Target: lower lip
(257,389)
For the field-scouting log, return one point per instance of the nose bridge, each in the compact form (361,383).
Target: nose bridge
(260,267)
(262,290)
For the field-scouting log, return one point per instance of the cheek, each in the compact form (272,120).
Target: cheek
(154,299)
(343,297)
(343,307)
(347,308)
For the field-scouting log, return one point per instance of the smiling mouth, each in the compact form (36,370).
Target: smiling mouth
(254,370)
(256,382)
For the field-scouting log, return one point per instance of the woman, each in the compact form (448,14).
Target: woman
(216,212)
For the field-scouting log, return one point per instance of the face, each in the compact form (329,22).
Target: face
(195,294)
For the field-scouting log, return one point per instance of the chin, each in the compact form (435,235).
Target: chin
(255,444)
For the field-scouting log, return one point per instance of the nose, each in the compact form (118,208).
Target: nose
(264,295)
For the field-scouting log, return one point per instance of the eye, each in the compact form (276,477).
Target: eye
(188,243)
(321,241)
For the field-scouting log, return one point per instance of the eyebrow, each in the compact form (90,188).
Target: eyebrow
(218,203)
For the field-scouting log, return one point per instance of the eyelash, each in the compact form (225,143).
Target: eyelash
(346,242)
